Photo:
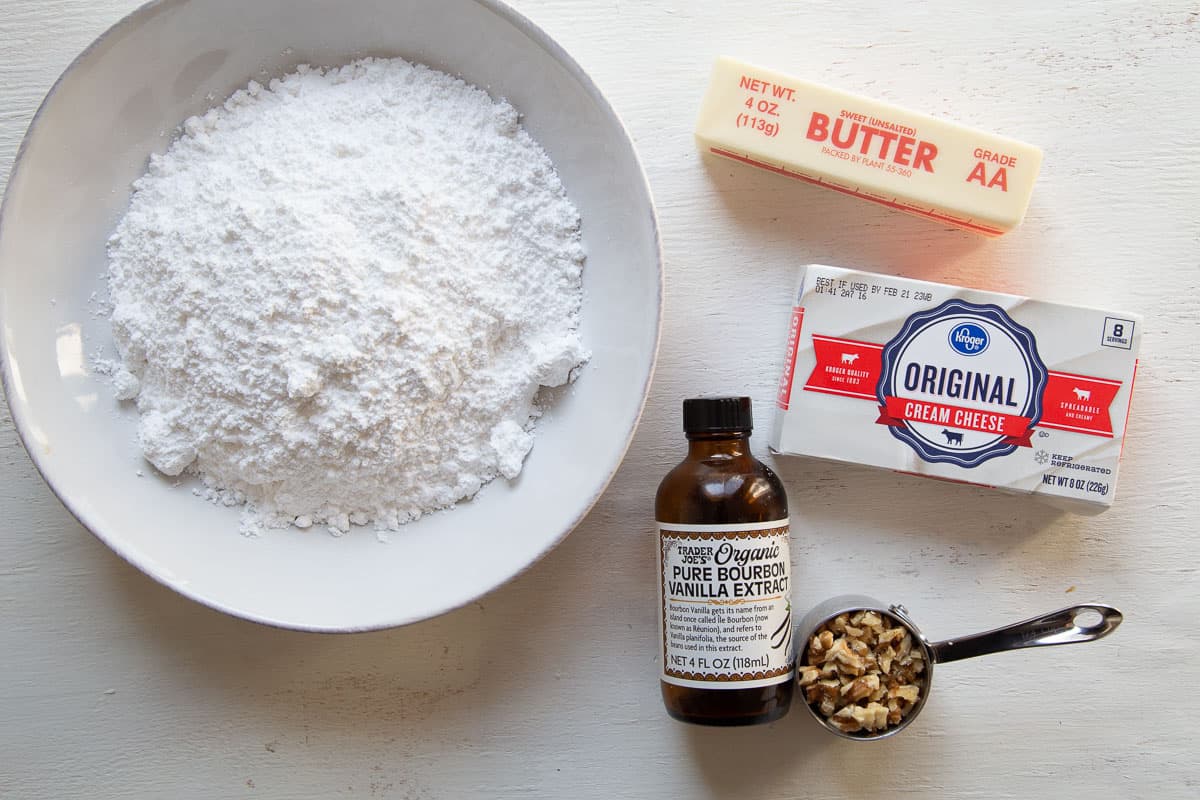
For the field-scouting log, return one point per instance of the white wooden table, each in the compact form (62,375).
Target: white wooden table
(112,686)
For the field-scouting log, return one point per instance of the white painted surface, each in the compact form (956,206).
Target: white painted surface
(113,686)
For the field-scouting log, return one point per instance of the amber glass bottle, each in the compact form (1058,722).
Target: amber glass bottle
(724,575)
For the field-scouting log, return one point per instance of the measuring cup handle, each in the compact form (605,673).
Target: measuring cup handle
(1057,627)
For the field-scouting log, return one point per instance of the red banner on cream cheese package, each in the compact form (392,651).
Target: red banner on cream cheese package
(1016,429)
(844,366)
(1079,403)
(851,368)
(783,400)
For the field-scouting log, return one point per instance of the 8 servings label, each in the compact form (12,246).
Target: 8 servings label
(726,604)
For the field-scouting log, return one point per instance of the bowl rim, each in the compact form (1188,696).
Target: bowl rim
(17,411)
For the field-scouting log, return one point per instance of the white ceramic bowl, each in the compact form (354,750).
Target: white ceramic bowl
(121,100)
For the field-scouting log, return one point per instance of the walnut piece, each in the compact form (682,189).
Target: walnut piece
(863,671)
(860,687)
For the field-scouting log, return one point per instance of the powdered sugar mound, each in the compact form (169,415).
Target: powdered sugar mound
(336,297)
(126,385)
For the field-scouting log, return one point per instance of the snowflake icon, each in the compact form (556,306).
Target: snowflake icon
(1041,457)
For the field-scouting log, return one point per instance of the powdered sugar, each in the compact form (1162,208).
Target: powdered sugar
(336,298)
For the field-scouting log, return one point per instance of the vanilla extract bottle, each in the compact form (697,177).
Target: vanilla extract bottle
(724,575)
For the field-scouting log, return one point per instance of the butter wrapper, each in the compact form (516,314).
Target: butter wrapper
(902,159)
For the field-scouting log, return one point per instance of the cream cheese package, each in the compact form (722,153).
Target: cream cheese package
(959,384)
(876,151)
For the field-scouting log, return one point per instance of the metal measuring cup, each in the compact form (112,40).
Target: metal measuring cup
(1057,627)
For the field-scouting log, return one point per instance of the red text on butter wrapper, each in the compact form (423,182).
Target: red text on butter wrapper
(846,132)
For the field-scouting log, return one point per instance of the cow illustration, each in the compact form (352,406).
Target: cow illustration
(849,358)
(952,437)
(1082,394)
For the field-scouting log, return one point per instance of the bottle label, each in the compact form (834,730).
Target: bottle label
(726,604)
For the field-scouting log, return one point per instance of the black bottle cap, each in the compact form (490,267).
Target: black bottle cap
(717,415)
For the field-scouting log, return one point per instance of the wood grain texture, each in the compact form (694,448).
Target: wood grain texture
(115,687)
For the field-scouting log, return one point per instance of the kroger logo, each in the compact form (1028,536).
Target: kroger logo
(969,339)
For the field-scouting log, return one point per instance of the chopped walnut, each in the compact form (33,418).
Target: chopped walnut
(885,656)
(860,687)
(852,719)
(863,672)
(843,655)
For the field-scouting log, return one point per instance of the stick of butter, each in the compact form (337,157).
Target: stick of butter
(902,159)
